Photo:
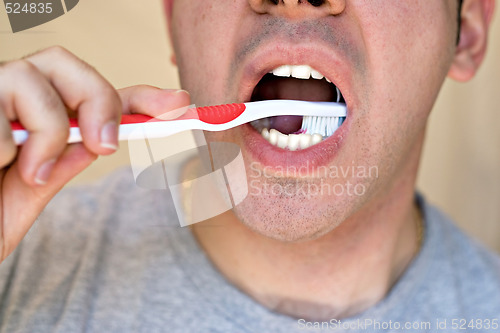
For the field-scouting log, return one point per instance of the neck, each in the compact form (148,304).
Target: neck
(337,275)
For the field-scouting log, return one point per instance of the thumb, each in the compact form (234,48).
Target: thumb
(152,101)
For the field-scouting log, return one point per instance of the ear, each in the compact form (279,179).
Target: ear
(168,7)
(475,21)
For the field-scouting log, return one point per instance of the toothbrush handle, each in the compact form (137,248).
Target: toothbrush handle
(129,123)
(20,134)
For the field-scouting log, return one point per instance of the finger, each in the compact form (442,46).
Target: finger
(25,202)
(7,147)
(154,102)
(30,98)
(83,89)
(75,158)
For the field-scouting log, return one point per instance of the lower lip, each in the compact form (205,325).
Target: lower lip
(276,159)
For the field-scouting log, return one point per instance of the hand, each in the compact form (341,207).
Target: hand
(41,91)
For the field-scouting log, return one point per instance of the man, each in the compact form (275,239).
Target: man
(379,259)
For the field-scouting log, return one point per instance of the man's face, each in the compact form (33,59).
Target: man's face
(388,59)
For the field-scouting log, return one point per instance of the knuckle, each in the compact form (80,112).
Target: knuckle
(58,51)
(87,70)
(110,97)
(19,66)
(52,101)
(14,72)
(110,93)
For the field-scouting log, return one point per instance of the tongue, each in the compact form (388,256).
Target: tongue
(286,124)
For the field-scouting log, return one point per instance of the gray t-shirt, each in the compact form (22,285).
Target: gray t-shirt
(113,258)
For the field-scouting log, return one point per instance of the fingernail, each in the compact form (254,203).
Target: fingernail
(109,136)
(182,91)
(43,173)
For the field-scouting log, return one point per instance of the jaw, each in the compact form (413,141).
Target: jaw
(374,135)
(302,194)
(299,195)
(292,204)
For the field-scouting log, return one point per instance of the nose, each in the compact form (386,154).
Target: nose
(298,9)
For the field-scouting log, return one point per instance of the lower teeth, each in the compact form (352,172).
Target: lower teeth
(320,127)
(292,141)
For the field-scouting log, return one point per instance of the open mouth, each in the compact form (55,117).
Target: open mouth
(304,83)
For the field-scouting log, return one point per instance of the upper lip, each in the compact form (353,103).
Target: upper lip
(323,59)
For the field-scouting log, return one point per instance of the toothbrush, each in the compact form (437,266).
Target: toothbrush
(208,118)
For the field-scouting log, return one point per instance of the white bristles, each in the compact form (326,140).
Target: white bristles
(324,126)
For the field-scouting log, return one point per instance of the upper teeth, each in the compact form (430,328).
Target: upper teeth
(302,72)
(299,72)
(313,129)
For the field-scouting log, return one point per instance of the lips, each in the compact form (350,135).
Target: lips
(297,82)
(302,73)
(275,159)
(319,57)
(302,83)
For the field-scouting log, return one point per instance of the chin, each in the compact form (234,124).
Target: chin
(292,210)
(296,196)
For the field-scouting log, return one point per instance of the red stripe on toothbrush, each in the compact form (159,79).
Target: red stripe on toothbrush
(219,114)
(126,119)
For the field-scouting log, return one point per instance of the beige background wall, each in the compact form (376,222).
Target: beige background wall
(126,41)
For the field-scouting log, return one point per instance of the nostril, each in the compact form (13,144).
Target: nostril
(316,3)
(297,9)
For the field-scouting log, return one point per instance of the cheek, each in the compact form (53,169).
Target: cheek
(410,46)
(204,46)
